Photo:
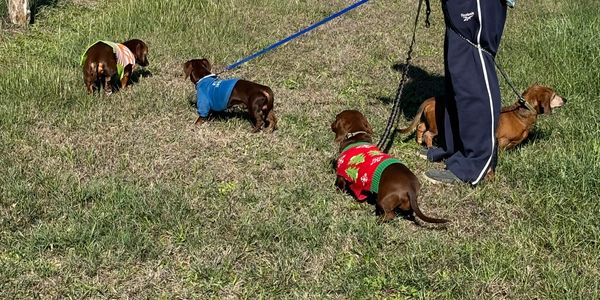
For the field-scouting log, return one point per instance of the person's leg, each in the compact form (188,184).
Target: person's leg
(448,131)
(473,88)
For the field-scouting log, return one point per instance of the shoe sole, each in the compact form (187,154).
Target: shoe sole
(431,180)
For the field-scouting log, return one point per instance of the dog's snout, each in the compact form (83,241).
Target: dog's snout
(557,101)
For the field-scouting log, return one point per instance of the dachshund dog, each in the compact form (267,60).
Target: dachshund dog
(364,170)
(516,121)
(103,60)
(214,94)
(514,124)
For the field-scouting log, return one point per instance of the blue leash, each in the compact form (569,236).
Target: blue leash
(294,36)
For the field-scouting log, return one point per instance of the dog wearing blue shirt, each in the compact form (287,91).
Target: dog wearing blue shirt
(214,95)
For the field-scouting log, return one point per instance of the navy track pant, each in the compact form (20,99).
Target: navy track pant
(472,92)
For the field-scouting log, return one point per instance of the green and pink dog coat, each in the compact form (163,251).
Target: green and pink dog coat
(124,56)
(362,164)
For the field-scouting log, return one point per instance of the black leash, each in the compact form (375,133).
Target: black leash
(427,13)
(394,116)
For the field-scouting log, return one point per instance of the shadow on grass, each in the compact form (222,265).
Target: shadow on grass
(237,111)
(534,135)
(420,86)
(37,5)
(139,73)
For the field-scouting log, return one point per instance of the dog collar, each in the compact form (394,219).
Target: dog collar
(526,104)
(207,76)
(355,145)
(353,134)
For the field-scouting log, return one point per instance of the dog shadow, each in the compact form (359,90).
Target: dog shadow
(139,73)
(235,112)
(419,86)
(535,134)
(133,79)
(231,113)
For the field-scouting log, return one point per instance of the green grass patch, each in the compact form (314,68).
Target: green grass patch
(120,196)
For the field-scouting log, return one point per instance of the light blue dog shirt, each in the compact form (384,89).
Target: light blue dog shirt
(213,94)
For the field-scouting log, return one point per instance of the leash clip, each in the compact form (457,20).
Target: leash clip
(526,104)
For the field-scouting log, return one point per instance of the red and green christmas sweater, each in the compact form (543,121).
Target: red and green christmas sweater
(362,164)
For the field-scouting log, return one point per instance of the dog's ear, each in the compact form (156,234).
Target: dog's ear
(206,64)
(544,96)
(143,48)
(187,69)
(338,128)
(334,125)
(535,95)
(545,106)
(366,125)
(139,50)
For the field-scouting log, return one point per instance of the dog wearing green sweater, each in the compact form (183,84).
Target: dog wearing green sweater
(104,61)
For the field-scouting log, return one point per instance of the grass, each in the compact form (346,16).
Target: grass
(120,197)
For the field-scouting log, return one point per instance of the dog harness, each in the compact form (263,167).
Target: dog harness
(362,164)
(213,94)
(124,56)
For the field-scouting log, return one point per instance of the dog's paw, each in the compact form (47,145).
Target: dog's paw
(200,121)
(270,129)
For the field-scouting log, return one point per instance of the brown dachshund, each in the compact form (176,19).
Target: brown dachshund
(214,94)
(514,123)
(103,60)
(363,169)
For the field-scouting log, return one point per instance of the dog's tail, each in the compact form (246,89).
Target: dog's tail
(270,98)
(416,120)
(93,69)
(100,69)
(96,69)
(412,195)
